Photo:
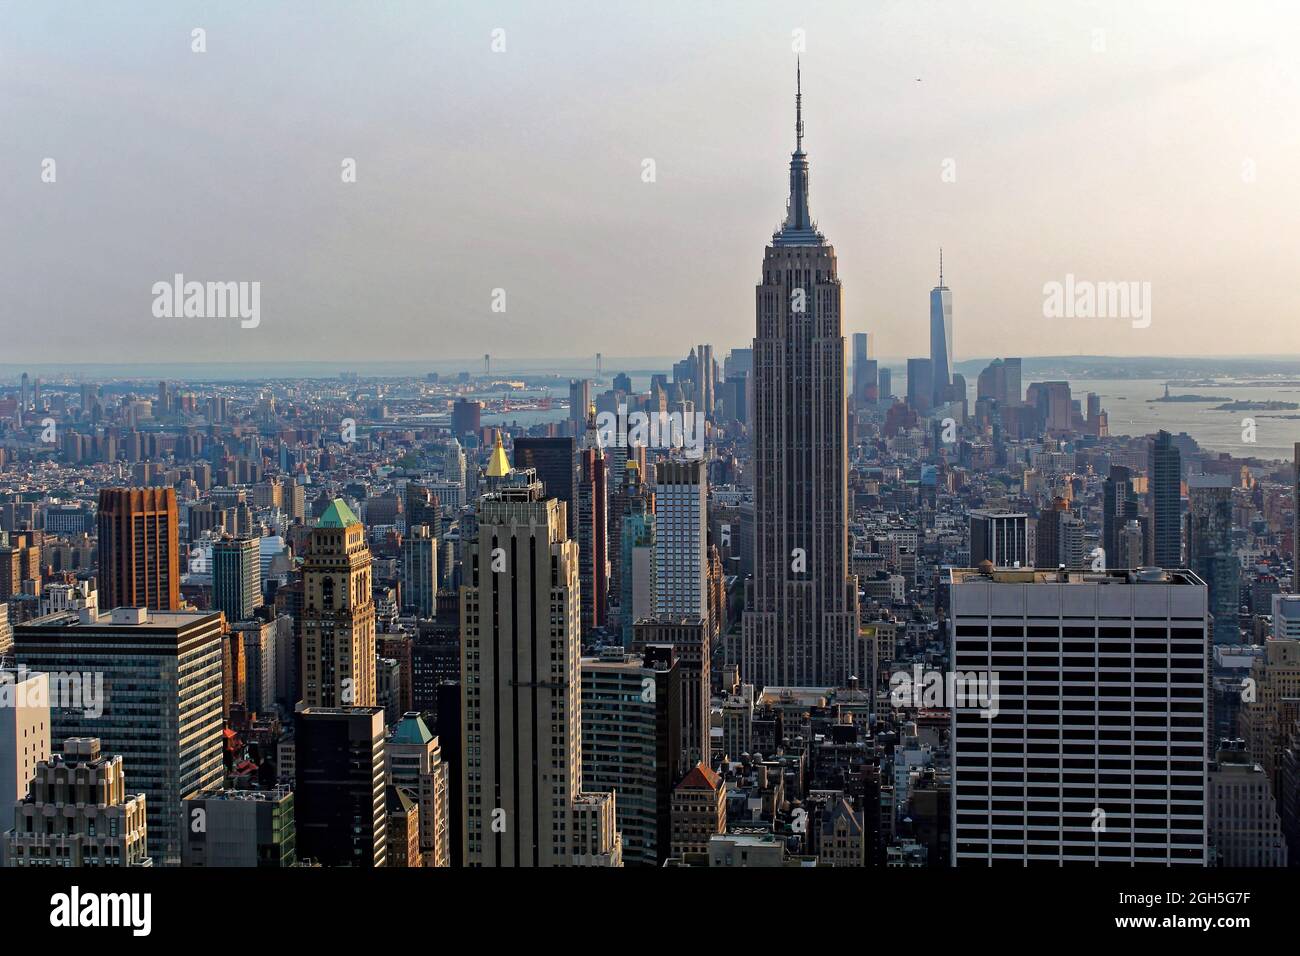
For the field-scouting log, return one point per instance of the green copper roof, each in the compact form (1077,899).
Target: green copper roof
(412,730)
(337,515)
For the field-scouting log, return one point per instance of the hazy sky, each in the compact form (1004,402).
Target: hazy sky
(1171,155)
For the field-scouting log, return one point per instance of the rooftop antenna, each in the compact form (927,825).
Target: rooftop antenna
(798,105)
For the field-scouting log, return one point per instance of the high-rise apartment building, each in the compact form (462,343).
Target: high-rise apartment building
(1086,743)
(236,577)
(139,563)
(1119,506)
(802,616)
(339,801)
(338,616)
(522,713)
(158,706)
(681,539)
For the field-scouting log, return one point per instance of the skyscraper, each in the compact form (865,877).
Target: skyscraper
(1093,712)
(522,705)
(681,545)
(1165,477)
(556,462)
(920,384)
(160,700)
(419,571)
(339,805)
(139,563)
(338,616)
(802,615)
(1295,519)
(236,577)
(1210,553)
(593,529)
(940,340)
(1118,508)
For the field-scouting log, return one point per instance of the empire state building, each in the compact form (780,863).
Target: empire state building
(801,620)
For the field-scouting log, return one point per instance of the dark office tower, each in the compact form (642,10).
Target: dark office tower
(886,384)
(1165,478)
(1210,553)
(1047,542)
(1295,519)
(465,417)
(339,801)
(1118,508)
(579,402)
(236,577)
(139,563)
(556,462)
(423,508)
(920,384)
(593,537)
(801,622)
(419,571)
(940,340)
(689,639)
(1000,537)
(159,703)
(447,727)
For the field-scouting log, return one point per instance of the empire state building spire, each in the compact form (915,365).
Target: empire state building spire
(798,228)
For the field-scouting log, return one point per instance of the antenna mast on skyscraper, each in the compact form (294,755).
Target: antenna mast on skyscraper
(798,106)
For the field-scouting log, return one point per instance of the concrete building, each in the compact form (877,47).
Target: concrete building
(24,732)
(1099,712)
(338,615)
(1244,826)
(522,706)
(240,828)
(78,813)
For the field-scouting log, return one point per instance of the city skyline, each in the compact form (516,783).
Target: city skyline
(944,150)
